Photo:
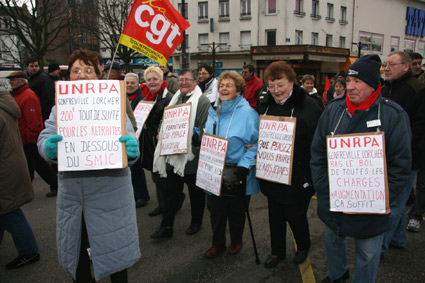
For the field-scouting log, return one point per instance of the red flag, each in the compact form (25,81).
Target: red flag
(327,86)
(153,28)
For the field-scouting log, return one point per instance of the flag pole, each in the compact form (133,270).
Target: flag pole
(112,62)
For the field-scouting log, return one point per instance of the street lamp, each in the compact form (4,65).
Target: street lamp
(213,46)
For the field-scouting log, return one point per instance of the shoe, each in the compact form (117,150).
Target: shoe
(182,197)
(22,261)
(155,212)
(214,252)
(163,233)
(235,249)
(414,225)
(272,261)
(300,257)
(342,279)
(52,193)
(193,229)
(141,203)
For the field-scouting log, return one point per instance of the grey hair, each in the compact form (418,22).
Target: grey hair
(134,75)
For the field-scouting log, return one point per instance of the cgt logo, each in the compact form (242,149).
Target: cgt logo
(145,16)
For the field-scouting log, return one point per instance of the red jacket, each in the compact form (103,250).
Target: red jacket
(253,87)
(31,120)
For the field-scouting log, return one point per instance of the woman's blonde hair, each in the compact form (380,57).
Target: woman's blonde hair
(155,70)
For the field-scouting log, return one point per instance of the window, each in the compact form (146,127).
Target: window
(271,7)
(203,42)
(395,42)
(298,37)
(202,10)
(224,37)
(329,40)
(421,48)
(245,7)
(315,10)
(314,38)
(343,20)
(330,13)
(299,8)
(185,10)
(371,43)
(271,37)
(224,9)
(341,42)
(245,39)
(409,45)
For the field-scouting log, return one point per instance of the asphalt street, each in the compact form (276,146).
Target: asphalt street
(180,259)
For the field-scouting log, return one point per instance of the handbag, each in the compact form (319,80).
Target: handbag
(231,185)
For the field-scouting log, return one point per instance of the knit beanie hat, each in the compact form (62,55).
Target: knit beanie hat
(367,69)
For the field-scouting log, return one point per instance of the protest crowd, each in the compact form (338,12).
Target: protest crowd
(358,147)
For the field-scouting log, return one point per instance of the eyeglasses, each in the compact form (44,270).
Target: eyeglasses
(183,80)
(391,65)
(87,71)
(275,87)
(226,85)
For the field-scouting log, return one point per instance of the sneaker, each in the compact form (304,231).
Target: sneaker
(22,261)
(414,225)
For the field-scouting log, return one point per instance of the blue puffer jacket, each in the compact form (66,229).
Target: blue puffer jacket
(395,125)
(243,130)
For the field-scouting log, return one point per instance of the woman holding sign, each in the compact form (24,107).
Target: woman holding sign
(287,201)
(236,121)
(94,207)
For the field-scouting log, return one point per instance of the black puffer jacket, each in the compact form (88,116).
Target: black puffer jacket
(307,112)
(44,87)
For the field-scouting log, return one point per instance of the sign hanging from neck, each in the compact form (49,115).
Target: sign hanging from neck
(154,28)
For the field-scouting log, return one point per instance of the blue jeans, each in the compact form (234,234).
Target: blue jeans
(366,257)
(16,224)
(138,180)
(396,234)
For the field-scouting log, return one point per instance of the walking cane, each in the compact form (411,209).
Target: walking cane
(257,259)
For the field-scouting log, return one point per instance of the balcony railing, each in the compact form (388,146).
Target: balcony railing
(315,16)
(299,13)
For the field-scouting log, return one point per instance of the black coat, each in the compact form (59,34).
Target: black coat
(44,87)
(307,113)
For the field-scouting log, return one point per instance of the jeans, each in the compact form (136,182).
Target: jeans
(17,225)
(418,208)
(396,234)
(138,180)
(366,257)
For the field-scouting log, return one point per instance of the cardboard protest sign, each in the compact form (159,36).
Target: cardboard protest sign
(212,158)
(276,137)
(358,173)
(91,116)
(175,129)
(154,28)
(141,113)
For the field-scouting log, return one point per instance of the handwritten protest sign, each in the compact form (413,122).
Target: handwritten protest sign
(141,113)
(358,173)
(276,138)
(90,116)
(212,158)
(175,129)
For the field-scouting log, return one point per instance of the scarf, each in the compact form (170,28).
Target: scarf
(366,104)
(203,84)
(178,161)
(151,96)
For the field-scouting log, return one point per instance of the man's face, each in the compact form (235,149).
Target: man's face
(187,83)
(357,90)
(395,67)
(203,75)
(112,74)
(416,66)
(164,69)
(246,74)
(33,68)
(16,82)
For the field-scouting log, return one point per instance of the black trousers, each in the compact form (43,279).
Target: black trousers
(296,216)
(161,184)
(172,198)
(37,163)
(223,209)
(83,268)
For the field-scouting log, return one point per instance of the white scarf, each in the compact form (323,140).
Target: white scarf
(178,161)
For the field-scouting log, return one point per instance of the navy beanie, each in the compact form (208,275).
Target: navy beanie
(367,69)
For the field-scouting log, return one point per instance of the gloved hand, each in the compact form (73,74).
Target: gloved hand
(196,140)
(242,173)
(51,146)
(131,144)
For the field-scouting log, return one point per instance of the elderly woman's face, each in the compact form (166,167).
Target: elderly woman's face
(153,81)
(280,89)
(227,89)
(131,84)
(81,71)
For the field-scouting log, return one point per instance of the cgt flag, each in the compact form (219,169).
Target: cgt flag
(153,28)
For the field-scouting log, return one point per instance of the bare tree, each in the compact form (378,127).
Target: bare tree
(112,17)
(37,24)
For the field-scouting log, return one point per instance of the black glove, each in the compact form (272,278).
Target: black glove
(242,173)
